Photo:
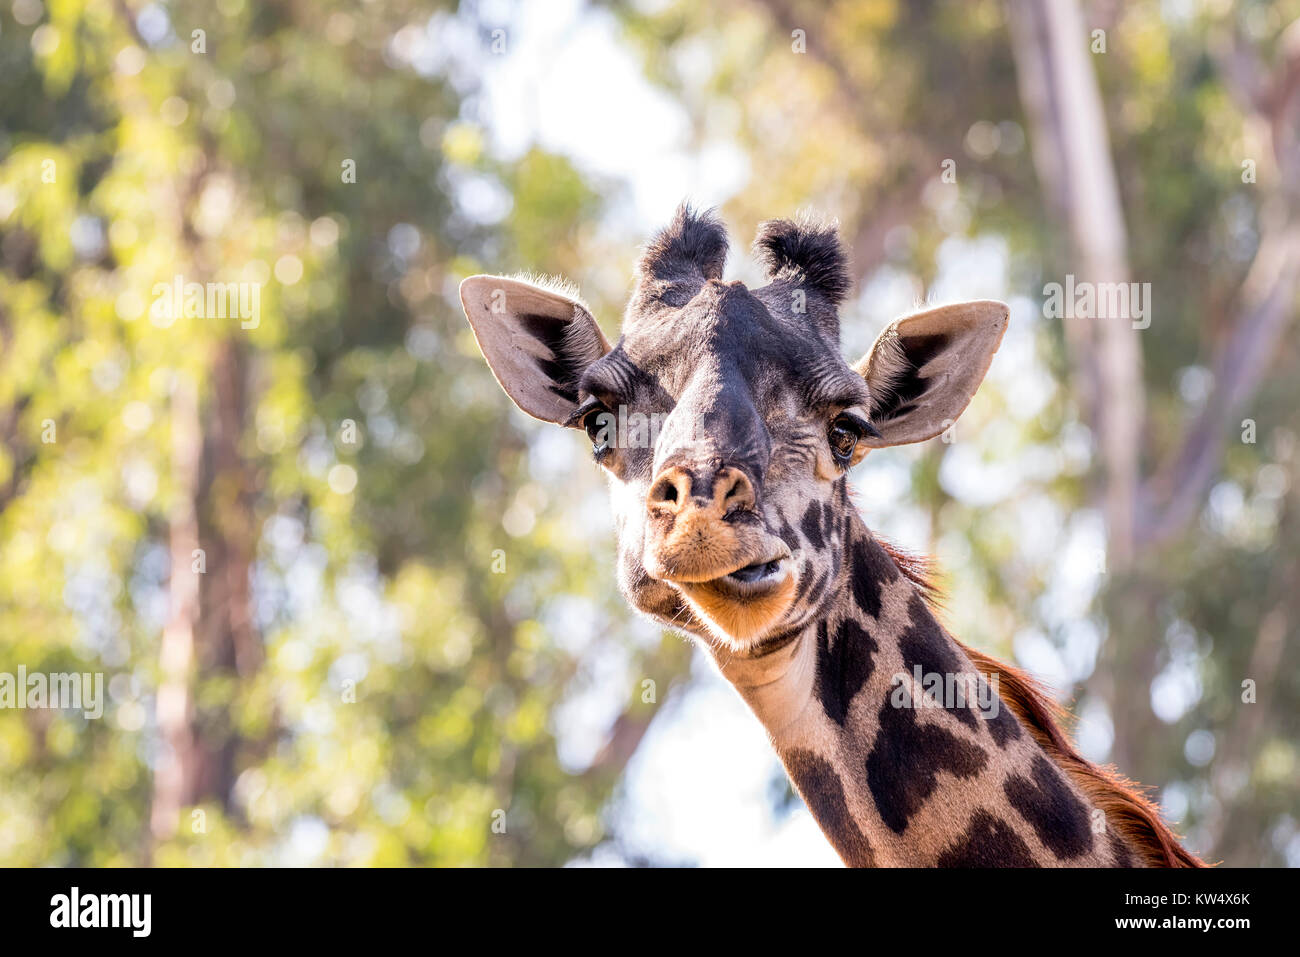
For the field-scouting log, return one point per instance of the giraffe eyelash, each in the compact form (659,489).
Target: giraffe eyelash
(585,408)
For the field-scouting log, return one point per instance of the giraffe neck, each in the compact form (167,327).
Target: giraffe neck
(903,753)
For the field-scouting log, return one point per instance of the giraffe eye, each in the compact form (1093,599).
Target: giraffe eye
(844,436)
(599,426)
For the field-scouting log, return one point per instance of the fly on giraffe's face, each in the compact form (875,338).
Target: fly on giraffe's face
(726,418)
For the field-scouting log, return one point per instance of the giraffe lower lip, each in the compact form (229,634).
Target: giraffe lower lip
(747,584)
(752,574)
(753,580)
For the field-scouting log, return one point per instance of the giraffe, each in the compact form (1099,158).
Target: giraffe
(726,421)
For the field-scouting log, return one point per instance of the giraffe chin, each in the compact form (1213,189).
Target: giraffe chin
(740,613)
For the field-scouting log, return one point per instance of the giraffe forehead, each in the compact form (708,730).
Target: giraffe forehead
(701,352)
(729,339)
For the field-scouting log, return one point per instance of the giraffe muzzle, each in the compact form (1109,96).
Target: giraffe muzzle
(702,527)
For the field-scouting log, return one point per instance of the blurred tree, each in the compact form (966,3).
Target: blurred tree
(301,542)
(345,614)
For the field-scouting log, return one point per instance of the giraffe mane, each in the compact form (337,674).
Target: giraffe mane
(918,569)
(1132,814)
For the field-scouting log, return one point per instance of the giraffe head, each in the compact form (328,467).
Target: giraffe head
(725,418)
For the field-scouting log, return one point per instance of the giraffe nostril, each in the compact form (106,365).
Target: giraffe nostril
(739,493)
(669,492)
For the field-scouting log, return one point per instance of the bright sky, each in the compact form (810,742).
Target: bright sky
(569,85)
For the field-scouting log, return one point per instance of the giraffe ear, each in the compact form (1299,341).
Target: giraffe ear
(537,339)
(924,369)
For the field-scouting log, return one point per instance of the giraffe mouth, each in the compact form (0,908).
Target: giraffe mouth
(755,580)
(757,573)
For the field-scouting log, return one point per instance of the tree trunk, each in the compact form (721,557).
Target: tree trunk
(1071,148)
(174,775)
(211,631)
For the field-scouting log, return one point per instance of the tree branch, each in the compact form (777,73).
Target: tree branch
(1265,301)
(1173,496)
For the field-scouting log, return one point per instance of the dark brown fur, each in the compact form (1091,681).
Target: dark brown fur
(1127,810)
